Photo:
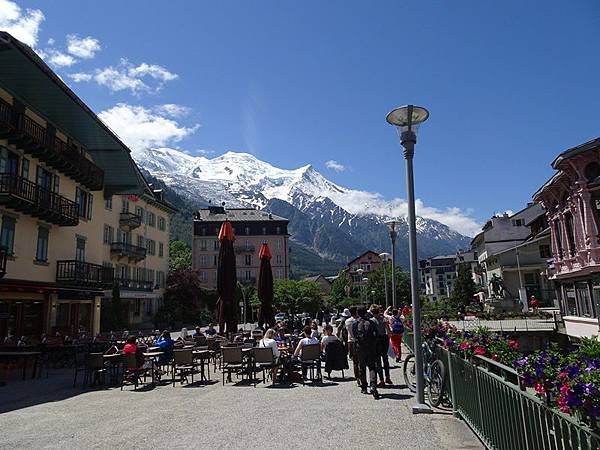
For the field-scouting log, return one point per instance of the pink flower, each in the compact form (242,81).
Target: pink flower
(465,345)
(563,375)
(495,357)
(513,344)
(479,350)
(564,389)
(539,388)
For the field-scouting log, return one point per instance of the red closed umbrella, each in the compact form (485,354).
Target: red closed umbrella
(265,287)
(226,280)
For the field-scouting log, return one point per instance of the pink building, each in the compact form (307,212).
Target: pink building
(367,262)
(572,202)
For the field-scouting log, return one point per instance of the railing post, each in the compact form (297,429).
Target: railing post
(455,412)
(524,421)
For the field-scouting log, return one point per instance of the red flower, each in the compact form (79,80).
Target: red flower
(479,350)
(465,345)
(513,344)
(495,357)
(539,388)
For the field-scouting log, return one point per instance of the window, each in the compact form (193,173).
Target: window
(279,259)
(80,249)
(248,260)
(9,161)
(248,275)
(151,246)
(84,202)
(264,230)
(278,245)
(25,168)
(570,233)
(202,276)
(278,230)
(203,244)
(141,241)
(148,304)
(41,253)
(124,205)
(216,244)
(109,234)
(247,231)
(162,224)
(150,276)
(518,222)
(140,212)
(558,237)
(545,252)
(215,260)
(151,219)
(160,279)
(108,203)
(203,260)
(161,249)
(7,234)
(247,245)
(138,307)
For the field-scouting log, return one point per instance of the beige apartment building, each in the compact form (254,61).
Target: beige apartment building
(76,215)
(251,228)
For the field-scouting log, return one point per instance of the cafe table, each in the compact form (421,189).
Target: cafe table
(151,356)
(204,356)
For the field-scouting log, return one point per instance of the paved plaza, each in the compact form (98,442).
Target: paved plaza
(50,413)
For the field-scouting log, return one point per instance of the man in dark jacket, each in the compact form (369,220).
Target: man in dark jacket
(365,335)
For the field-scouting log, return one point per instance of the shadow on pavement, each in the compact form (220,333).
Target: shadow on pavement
(395,396)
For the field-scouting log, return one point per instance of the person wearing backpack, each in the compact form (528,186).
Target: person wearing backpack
(396,331)
(383,345)
(365,336)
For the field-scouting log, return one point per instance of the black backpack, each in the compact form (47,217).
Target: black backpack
(365,332)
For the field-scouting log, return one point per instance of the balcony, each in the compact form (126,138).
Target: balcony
(135,285)
(240,249)
(129,221)
(30,198)
(83,274)
(244,280)
(42,143)
(126,250)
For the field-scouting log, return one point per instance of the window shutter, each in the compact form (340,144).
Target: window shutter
(90,204)
(78,201)
(56,181)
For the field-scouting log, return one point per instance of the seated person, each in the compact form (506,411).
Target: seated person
(268,341)
(306,340)
(185,336)
(210,331)
(198,333)
(314,330)
(166,345)
(280,335)
(328,337)
(131,347)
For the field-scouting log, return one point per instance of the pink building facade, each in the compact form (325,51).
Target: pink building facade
(572,202)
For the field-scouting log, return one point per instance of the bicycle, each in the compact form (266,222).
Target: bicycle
(434,373)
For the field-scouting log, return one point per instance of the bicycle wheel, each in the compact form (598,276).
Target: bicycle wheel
(410,373)
(436,383)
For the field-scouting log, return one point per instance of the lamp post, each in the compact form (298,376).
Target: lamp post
(393,225)
(406,119)
(384,257)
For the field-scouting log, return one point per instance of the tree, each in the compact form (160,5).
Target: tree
(464,288)
(180,256)
(114,316)
(183,297)
(296,296)
(343,293)
(376,284)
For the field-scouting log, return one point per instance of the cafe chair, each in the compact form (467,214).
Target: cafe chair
(264,360)
(131,373)
(232,361)
(184,365)
(310,359)
(335,358)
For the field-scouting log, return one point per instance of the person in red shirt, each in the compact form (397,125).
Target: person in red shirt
(533,303)
(131,347)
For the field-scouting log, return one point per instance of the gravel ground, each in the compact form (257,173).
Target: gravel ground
(49,413)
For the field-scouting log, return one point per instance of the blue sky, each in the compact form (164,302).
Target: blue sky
(508,84)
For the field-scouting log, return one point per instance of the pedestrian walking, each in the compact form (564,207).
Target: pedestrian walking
(352,348)
(396,331)
(365,334)
(383,345)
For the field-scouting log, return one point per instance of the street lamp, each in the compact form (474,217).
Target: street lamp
(407,119)
(393,227)
(385,257)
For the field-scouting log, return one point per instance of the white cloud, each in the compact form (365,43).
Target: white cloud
(78,77)
(142,127)
(58,58)
(334,165)
(51,41)
(24,25)
(84,48)
(173,110)
(127,76)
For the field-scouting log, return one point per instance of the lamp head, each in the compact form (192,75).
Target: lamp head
(384,256)
(407,118)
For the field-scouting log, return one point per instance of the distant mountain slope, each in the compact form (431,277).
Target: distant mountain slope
(321,221)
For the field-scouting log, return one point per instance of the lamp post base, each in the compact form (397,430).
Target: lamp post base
(422,408)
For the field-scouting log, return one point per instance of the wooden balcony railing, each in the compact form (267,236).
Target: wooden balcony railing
(126,250)
(26,196)
(80,273)
(33,138)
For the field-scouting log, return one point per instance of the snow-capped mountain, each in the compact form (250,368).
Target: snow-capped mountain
(335,222)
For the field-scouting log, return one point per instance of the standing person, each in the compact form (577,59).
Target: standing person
(396,331)
(342,331)
(349,325)
(383,345)
(365,335)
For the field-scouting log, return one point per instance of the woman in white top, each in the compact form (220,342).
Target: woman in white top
(268,342)
(315,330)
(329,337)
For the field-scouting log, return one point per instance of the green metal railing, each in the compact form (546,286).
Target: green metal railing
(487,395)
